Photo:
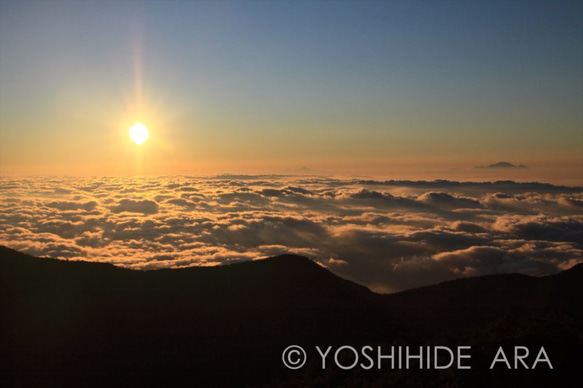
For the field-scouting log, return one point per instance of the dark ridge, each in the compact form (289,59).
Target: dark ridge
(502,165)
(576,270)
(487,298)
(89,324)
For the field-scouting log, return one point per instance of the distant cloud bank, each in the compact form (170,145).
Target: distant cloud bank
(389,235)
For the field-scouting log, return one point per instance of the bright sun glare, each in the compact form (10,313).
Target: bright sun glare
(139,133)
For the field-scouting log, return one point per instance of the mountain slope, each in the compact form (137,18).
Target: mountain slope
(78,323)
(65,320)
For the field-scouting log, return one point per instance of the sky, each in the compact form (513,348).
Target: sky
(396,88)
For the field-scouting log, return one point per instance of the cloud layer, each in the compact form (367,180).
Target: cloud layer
(388,235)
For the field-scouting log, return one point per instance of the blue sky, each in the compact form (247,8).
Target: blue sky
(251,85)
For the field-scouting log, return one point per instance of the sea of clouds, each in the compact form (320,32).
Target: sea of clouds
(387,235)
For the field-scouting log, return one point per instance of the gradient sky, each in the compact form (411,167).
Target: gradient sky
(275,86)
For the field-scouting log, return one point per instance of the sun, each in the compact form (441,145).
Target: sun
(139,133)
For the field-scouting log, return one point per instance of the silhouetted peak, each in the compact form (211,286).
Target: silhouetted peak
(577,268)
(502,165)
(287,261)
(575,271)
(291,273)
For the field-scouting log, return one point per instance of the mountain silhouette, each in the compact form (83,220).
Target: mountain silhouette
(68,323)
(502,165)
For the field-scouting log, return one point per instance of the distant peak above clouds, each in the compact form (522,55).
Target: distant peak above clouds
(502,165)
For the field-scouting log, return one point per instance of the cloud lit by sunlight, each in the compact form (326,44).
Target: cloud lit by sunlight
(388,235)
